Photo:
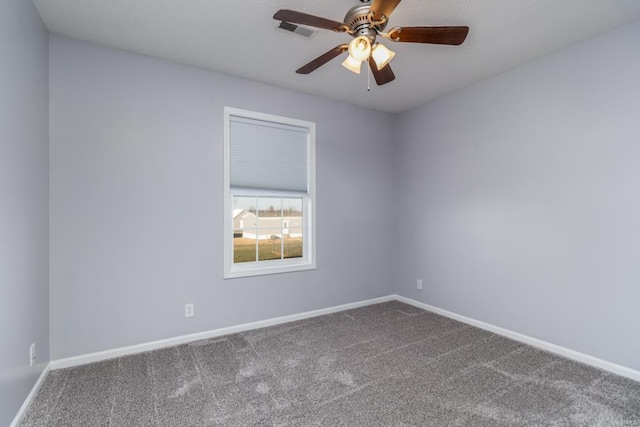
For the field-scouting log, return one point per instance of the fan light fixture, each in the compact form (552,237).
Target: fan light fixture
(352,64)
(359,50)
(381,55)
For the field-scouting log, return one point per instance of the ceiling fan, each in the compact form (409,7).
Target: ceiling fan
(365,22)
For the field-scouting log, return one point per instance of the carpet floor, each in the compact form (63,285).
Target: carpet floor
(386,364)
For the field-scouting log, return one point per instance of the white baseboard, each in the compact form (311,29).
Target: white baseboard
(27,402)
(154,345)
(544,345)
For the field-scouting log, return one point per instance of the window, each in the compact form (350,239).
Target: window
(269,194)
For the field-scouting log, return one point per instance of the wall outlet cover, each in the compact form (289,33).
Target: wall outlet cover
(188,310)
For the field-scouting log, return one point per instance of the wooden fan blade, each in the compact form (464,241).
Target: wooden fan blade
(383,7)
(310,20)
(383,76)
(434,35)
(322,59)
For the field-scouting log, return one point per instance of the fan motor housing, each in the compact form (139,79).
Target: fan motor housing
(357,20)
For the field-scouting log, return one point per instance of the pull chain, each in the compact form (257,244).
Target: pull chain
(368,80)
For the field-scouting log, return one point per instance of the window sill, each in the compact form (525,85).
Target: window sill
(260,269)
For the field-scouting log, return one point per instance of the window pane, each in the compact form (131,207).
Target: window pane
(292,227)
(244,229)
(269,228)
(269,217)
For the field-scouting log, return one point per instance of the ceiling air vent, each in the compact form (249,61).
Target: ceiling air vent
(293,28)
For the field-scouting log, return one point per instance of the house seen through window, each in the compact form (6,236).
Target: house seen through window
(267,228)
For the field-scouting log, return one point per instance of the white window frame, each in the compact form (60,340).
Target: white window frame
(258,268)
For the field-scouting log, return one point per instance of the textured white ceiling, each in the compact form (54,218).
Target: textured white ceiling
(240,38)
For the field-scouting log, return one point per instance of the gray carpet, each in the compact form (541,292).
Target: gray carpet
(386,364)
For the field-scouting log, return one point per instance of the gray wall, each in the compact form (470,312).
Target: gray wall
(136,201)
(526,189)
(24,174)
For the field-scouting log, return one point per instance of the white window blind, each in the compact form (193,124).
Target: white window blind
(266,155)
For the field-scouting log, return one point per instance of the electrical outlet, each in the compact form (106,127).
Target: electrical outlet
(419,285)
(188,310)
(32,354)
